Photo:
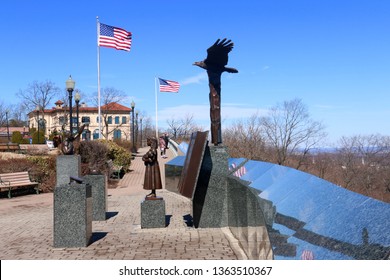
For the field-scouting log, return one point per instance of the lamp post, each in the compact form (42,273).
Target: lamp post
(133,150)
(140,122)
(77,98)
(6,116)
(37,108)
(136,126)
(70,87)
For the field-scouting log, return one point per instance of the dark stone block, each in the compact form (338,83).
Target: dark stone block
(153,214)
(72,215)
(210,197)
(67,166)
(99,195)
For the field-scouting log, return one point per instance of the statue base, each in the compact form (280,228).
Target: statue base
(153,213)
(67,166)
(72,215)
(99,195)
(210,197)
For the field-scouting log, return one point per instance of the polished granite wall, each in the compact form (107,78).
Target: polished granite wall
(316,219)
(310,218)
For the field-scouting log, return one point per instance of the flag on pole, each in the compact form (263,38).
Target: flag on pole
(168,86)
(114,37)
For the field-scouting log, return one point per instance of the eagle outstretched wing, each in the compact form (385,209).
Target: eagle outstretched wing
(217,54)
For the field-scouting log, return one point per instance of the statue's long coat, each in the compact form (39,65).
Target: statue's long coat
(152,179)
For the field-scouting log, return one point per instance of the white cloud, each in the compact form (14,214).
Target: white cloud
(265,68)
(197,79)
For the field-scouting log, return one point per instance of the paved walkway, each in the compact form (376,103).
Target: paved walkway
(26,228)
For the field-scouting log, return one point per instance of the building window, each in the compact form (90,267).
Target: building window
(109,120)
(124,120)
(85,120)
(62,120)
(86,134)
(74,121)
(117,134)
(96,134)
(116,120)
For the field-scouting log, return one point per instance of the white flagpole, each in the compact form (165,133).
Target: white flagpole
(155,91)
(98,68)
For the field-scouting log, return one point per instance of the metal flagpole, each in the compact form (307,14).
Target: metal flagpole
(155,91)
(98,67)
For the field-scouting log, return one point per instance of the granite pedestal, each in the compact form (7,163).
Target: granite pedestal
(67,166)
(210,208)
(153,213)
(72,215)
(98,184)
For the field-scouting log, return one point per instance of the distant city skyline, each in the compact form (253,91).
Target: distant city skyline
(334,55)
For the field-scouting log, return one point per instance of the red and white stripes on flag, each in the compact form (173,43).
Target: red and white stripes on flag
(168,86)
(307,255)
(240,171)
(114,37)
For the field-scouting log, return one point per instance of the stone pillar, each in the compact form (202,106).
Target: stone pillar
(72,215)
(67,165)
(153,213)
(98,184)
(210,197)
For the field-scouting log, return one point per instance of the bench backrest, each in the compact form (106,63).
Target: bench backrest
(16,178)
(10,145)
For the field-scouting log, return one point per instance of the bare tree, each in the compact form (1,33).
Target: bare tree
(3,109)
(174,127)
(19,113)
(244,139)
(291,132)
(38,94)
(182,128)
(365,165)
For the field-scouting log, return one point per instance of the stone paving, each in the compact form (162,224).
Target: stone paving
(26,228)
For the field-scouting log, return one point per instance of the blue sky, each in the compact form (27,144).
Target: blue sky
(334,55)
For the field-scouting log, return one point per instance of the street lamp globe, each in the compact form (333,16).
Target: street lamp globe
(70,87)
(77,96)
(70,84)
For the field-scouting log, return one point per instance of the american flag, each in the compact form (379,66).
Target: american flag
(168,86)
(114,37)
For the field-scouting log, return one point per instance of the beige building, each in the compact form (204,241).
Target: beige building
(116,116)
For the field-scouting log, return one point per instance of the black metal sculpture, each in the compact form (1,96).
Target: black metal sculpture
(215,65)
(71,143)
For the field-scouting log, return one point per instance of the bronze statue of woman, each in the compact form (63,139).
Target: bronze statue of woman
(152,180)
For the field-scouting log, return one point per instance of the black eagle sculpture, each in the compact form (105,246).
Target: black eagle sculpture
(215,65)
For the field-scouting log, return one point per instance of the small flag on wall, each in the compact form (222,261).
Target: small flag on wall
(168,86)
(114,37)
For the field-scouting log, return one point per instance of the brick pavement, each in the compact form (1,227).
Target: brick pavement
(26,228)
